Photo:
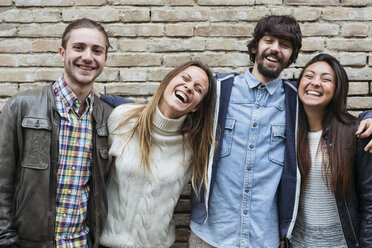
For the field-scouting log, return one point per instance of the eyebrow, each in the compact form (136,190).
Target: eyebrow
(189,78)
(325,73)
(185,74)
(83,43)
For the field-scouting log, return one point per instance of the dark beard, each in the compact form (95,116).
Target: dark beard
(267,73)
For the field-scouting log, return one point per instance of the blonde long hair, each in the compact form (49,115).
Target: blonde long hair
(197,129)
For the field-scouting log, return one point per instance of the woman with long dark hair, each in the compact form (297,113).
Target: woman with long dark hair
(156,148)
(335,206)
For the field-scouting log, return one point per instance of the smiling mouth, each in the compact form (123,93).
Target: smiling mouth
(313,93)
(180,95)
(273,59)
(85,68)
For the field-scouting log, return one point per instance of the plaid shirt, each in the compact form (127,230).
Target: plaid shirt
(74,167)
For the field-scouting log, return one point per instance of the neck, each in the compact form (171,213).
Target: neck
(80,93)
(81,90)
(314,119)
(259,76)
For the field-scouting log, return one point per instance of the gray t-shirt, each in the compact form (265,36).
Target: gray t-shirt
(318,223)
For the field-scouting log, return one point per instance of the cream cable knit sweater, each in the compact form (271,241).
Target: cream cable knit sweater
(141,205)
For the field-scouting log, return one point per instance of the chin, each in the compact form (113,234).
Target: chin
(86,80)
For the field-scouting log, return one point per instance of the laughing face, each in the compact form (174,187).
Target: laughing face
(84,57)
(317,86)
(272,56)
(184,92)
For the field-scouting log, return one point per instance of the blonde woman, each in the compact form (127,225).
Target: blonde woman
(156,148)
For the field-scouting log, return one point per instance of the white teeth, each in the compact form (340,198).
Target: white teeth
(273,59)
(85,68)
(181,96)
(312,92)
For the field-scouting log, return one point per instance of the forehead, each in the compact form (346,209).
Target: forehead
(276,38)
(89,36)
(196,73)
(320,67)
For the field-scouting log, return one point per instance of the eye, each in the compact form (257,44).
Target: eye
(309,76)
(285,45)
(77,47)
(199,90)
(97,51)
(268,40)
(186,79)
(327,80)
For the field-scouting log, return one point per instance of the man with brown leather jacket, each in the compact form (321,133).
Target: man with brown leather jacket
(53,152)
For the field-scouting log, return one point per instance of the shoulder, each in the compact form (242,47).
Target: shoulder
(124,110)
(32,94)
(30,99)
(101,109)
(120,113)
(290,84)
(224,76)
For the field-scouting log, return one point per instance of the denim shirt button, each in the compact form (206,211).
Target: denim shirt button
(245,212)
(254,124)
(246,190)
(249,168)
(251,146)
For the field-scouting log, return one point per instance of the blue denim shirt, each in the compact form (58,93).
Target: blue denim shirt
(243,207)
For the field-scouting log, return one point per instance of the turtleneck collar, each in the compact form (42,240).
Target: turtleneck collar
(166,124)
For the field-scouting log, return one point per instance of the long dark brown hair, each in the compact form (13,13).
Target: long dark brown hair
(338,138)
(197,129)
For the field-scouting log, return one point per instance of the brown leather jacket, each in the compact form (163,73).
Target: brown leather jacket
(29,129)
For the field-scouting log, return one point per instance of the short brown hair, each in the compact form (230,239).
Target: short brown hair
(84,23)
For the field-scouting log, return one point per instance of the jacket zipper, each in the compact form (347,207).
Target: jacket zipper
(351,224)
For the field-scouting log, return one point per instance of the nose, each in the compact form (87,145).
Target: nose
(87,55)
(188,87)
(275,46)
(316,81)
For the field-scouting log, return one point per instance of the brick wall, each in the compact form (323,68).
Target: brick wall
(150,37)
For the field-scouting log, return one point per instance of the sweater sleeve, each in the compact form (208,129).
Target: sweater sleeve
(115,101)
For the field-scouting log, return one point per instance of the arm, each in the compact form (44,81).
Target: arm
(8,155)
(365,115)
(114,101)
(365,129)
(364,191)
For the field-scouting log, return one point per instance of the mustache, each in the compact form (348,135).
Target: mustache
(273,54)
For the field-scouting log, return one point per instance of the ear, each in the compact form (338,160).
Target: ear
(195,109)
(254,50)
(62,53)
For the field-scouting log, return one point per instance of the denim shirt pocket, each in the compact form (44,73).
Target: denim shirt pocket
(37,142)
(277,143)
(227,136)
